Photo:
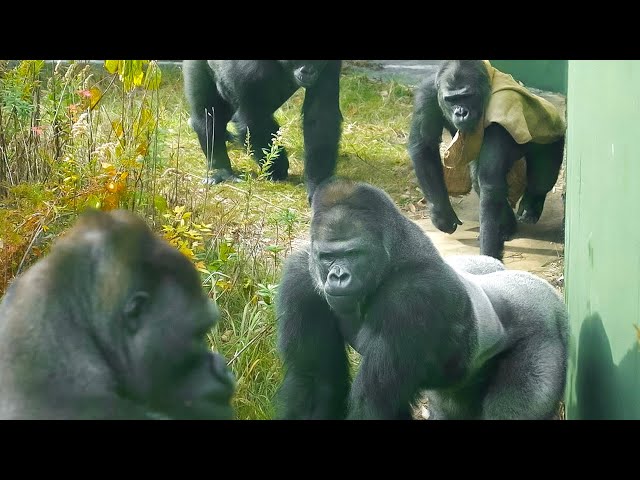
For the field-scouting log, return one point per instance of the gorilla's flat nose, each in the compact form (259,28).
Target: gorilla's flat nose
(461,112)
(339,277)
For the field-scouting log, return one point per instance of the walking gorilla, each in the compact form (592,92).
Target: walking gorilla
(251,91)
(110,325)
(487,346)
(498,122)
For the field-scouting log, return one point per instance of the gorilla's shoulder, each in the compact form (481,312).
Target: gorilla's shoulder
(523,290)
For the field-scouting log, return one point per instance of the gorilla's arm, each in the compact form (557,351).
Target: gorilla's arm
(408,345)
(424,149)
(316,381)
(322,123)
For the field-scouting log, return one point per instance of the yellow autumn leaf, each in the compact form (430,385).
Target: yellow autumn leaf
(142,148)
(144,122)
(113,66)
(253,366)
(117,128)
(95,97)
(186,251)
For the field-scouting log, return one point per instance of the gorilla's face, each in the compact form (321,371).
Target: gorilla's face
(463,91)
(150,317)
(347,256)
(172,369)
(305,72)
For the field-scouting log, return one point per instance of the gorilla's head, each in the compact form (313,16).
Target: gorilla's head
(129,318)
(305,72)
(351,232)
(463,92)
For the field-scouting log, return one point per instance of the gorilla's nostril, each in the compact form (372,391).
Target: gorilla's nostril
(339,276)
(462,112)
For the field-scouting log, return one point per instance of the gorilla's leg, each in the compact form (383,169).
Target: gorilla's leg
(209,117)
(261,131)
(316,379)
(526,384)
(497,221)
(240,135)
(543,167)
(321,127)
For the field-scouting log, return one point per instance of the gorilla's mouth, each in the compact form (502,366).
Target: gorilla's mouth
(352,290)
(223,377)
(341,293)
(467,125)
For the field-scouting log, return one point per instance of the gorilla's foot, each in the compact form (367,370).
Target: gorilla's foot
(219,176)
(530,208)
(278,174)
(529,216)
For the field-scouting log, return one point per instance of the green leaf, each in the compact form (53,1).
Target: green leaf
(152,77)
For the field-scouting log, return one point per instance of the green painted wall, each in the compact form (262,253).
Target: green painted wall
(602,255)
(548,75)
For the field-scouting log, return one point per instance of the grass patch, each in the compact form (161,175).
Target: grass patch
(75,136)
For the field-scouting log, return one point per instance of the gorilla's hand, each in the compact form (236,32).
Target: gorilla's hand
(445,219)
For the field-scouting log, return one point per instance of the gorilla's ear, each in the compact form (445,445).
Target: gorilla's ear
(132,311)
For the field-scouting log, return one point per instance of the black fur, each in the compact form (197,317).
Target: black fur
(251,91)
(110,325)
(488,346)
(453,96)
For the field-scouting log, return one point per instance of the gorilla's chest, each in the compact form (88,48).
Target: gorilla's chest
(351,319)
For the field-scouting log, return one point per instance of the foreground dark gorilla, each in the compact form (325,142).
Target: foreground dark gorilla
(490,346)
(110,325)
(455,96)
(251,91)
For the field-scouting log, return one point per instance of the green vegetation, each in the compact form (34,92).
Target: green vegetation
(76,136)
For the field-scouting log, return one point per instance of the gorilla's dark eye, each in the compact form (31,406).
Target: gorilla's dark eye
(327,257)
(456,98)
(133,309)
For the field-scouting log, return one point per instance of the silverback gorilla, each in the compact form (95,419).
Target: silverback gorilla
(490,346)
(249,92)
(455,96)
(110,325)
